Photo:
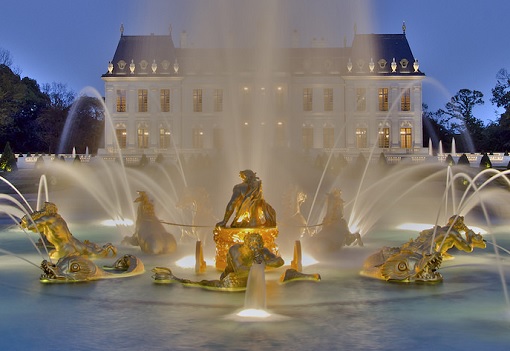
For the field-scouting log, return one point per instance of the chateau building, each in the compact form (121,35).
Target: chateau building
(349,99)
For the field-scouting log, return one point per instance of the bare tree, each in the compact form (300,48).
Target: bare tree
(5,57)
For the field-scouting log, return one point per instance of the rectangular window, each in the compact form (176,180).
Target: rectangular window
(361,138)
(121,135)
(328,135)
(165,100)
(307,137)
(406,138)
(279,99)
(198,138)
(307,99)
(384,138)
(328,99)
(245,104)
(405,99)
(197,100)
(361,99)
(279,135)
(383,99)
(143,137)
(142,100)
(164,138)
(218,100)
(121,100)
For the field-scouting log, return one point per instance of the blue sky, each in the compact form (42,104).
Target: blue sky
(460,44)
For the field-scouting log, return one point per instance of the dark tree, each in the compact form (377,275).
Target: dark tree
(485,162)
(463,160)
(21,102)
(50,122)
(435,128)
(497,134)
(463,122)
(84,125)
(8,159)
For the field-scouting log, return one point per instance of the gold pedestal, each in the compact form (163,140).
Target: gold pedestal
(226,237)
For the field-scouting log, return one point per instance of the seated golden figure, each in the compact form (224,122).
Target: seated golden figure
(240,258)
(251,214)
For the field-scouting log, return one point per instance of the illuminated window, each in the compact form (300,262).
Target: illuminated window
(383,99)
(121,135)
(406,138)
(361,138)
(361,99)
(279,135)
(328,135)
(279,99)
(165,100)
(328,99)
(307,99)
(384,137)
(405,99)
(164,138)
(142,100)
(198,138)
(245,100)
(197,100)
(121,100)
(307,137)
(218,100)
(143,137)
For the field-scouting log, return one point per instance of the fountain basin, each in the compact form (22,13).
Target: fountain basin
(343,311)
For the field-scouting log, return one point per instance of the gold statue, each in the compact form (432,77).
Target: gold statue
(149,232)
(251,210)
(251,214)
(75,268)
(419,260)
(53,228)
(240,258)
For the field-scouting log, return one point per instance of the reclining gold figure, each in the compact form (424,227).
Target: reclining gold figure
(50,224)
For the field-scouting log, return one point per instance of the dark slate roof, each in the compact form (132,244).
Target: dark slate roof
(149,48)
(379,47)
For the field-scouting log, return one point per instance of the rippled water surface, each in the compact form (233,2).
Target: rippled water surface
(342,312)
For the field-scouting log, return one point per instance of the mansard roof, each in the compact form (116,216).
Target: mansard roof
(143,51)
(370,54)
(382,50)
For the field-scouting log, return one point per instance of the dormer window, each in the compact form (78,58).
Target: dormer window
(404,63)
(382,63)
(121,64)
(360,63)
(165,64)
(143,65)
